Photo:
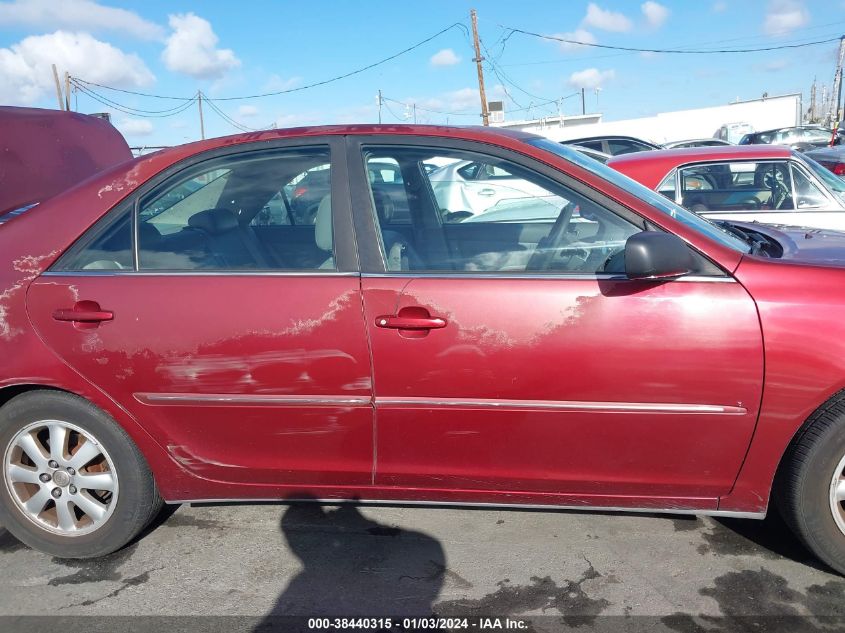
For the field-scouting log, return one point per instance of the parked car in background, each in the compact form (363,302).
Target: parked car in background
(799,138)
(614,145)
(832,158)
(43,152)
(617,363)
(758,183)
(733,132)
(592,153)
(699,142)
(466,188)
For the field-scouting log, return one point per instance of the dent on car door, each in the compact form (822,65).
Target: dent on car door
(248,363)
(537,369)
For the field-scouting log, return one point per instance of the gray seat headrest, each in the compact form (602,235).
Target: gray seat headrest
(214,221)
(323,225)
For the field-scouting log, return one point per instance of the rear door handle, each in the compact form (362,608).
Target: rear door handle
(487,192)
(84,312)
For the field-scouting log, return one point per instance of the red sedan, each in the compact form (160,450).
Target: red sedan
(172,332)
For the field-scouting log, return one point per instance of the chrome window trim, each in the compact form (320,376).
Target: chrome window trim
(199,273)
(226,399)
(562,405)
(548,276)
(476,504)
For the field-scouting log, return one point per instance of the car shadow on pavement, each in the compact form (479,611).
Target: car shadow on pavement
(354,566)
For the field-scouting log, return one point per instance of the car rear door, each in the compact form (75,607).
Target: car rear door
(249,364)
(496,379)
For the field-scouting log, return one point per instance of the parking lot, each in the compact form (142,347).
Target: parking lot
(688,574)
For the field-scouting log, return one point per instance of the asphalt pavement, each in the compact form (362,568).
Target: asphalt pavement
(574,569)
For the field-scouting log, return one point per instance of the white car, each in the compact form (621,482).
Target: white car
(467,188)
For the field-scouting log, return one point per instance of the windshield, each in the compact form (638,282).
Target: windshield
(831,180)
(645,194)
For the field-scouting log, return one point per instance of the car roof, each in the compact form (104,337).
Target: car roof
(606,137)
(471,132)
(649,168)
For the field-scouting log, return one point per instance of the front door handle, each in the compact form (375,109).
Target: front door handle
(487,192)
(84,312)
(411,318)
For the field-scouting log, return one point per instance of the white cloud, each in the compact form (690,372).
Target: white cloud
(776,65)
(191,49)
(578,35)
(134,127)
(655,14)
(296,120)
(246,111)
(720,7)
(86,15)
(606,20)
(784,16)
(276,83)
(590,78)
(445,57)
(26,75)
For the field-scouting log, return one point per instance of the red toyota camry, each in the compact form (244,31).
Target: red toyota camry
(320,313)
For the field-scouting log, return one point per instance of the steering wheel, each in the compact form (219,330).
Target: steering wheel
(547,246)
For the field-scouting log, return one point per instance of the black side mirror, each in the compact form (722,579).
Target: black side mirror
(656,255)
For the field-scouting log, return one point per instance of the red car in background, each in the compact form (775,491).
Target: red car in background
(606,354)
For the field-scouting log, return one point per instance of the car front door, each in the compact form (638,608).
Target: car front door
(232,334)
(513,361)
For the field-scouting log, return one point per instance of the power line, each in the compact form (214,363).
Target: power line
(230,120)
(297,88)
(126,110)
(140,112)
(419,107)
(679,51)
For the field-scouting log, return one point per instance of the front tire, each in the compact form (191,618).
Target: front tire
(811,486)
(74,484)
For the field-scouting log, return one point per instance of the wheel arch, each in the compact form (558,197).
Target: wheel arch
(172,480)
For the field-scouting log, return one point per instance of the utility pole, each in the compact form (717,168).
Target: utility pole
(58,87)
(485,113)
(811,116)
(836,92)
(202,123)
(415,113)
(379,100)
(67,91)
(583,103)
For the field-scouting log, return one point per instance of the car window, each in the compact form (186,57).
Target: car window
(646,195)
(625,146)
(667,186)
(736,186)
(807,194)
(596,145)
(107,246)
(229,213)
(518,221)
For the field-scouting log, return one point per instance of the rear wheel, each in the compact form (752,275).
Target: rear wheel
(811,487)
(74,483)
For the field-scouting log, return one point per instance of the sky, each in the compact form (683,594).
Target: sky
(176,48)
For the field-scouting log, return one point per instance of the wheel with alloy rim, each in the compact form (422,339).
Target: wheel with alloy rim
(810,485)
(74,483)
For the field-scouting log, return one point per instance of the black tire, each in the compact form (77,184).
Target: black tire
(803,484)
(137,503)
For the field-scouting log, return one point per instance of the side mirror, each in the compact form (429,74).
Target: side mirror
(656,255)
